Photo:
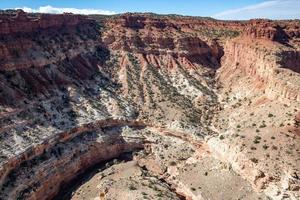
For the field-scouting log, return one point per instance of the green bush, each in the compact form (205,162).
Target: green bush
(132,187)
(255,160)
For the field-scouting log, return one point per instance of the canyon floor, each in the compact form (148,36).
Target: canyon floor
(146,106)
(171,168)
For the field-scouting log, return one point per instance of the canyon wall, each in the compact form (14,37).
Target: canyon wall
(48,167)
(39,40)
(70,85)
(259,76)
(58,80)
(265,66)
(21,22)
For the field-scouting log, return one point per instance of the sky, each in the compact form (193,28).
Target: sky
(219,9)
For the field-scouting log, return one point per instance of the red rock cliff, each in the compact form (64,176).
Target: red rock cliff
(21,22)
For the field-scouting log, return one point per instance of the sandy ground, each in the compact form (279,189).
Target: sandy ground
(170,168)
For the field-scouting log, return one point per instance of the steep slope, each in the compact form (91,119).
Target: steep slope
(76,91)
(259,90)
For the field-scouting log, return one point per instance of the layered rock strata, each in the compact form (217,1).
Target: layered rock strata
(70,85)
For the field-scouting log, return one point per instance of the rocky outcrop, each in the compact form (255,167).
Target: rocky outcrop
(22,23)
(263,65)
(67,155)
(270,30)
(157,38)
(26,83)
(290,60)
(29,40)
(285,186)
(262,29)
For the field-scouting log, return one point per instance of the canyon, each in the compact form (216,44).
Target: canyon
(205,109)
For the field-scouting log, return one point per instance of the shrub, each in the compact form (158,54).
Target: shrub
(263,126)
(274,147)
(257,139)
(265,146)
(172,163)
(132,187)
(281,125)
(160,194)
(254,160)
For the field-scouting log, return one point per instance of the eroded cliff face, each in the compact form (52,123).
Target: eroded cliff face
(21,22)
(48,168)
(259,90)
(76,91)
(266,66)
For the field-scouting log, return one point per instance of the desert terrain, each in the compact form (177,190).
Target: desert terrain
(146,106)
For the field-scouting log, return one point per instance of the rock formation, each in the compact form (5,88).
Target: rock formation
(76,91)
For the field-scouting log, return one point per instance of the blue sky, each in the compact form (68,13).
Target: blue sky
(221,9)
